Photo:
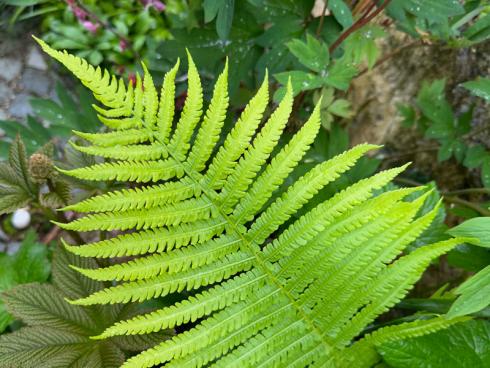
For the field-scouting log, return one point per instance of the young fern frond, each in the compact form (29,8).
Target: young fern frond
(203,219)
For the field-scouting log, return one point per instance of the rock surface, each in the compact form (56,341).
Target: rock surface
(24,73)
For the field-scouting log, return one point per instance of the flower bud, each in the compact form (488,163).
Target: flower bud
(40,167)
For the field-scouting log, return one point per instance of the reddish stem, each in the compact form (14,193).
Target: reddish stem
(362,21)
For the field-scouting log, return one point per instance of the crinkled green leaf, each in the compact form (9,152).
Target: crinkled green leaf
(462,345)
(29,264)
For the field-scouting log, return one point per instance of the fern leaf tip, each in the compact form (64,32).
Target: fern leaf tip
(101,336)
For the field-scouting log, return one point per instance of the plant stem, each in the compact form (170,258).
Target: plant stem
(322,19)
(362,21)
(468,191)
(456,200)
(450,199)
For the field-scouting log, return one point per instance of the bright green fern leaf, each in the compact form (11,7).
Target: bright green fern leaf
(265,286)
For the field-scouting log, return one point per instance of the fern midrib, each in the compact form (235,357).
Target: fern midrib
(210,194)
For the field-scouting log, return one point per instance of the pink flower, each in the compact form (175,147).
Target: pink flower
(156,4)
(123,44)
(79,13)
(132,79)
(90,26)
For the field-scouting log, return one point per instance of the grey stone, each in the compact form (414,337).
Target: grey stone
(35,59)
(5,93)
(12,248)
(3,116)
(20,106)
(35,81)
(9,68)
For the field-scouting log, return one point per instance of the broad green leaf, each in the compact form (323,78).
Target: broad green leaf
(485,173)
(478,228)
(480,30)
(341,12)
(313,54)
(222,10)
(462,345)
(479,87)
(432,101)
(430,10)
(341,108)
(474,294)
(475,155)
(469,257)
(340,74)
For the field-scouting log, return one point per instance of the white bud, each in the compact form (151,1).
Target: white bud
(21,218)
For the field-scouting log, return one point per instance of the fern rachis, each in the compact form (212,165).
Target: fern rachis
(203,221)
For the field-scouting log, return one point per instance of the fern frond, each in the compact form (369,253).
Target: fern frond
(150,99)
(277,171)
(208,134)
(180,141)
(154,240)
(129,136)
(239,138)
(137,171)
(193,308)
(165,284)
(392,285)
(117,122)
(205,225)
(172,215)
(132,199)
(107,89)
(256,156)
(362,354)
(214,328)
(172,262)
(166,107)
(136,152)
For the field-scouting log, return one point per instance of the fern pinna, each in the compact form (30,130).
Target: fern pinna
(203,219)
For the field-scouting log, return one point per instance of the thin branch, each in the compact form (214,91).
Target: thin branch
(322,19)
(362,21)
(468,191)
(456,200)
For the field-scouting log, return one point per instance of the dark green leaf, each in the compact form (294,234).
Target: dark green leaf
(485,173)
(341,12)
(480,30)
(340,74)
(462,345)
(313,54)
(475,155)
(431,10)
(469,257)
(478,228)
(479,87)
